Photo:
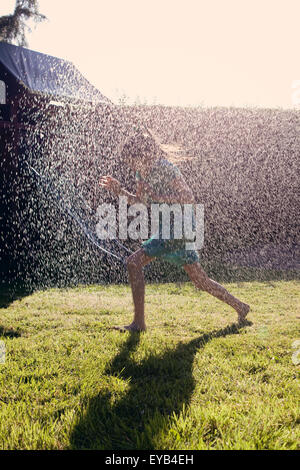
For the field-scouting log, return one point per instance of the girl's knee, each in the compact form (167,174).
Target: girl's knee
(199,277)
(130,262)
(133,262)
(137,260)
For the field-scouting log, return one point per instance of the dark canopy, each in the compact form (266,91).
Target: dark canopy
(47,74)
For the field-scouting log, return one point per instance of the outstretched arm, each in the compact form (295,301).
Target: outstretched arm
(114,186)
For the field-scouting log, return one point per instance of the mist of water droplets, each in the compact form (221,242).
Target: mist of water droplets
(243,165)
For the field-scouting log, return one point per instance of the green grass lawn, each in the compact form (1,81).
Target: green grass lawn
(194,380)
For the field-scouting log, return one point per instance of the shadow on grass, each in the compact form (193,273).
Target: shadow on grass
(10,293)
(9,333)
(159,386)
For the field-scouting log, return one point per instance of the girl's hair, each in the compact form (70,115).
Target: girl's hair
(141,145)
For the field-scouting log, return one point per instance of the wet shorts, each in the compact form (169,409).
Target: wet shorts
(171,250)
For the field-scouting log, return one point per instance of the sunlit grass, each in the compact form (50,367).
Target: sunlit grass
(194,380)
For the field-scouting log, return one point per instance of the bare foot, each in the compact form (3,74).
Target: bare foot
(132,327)
(242,312)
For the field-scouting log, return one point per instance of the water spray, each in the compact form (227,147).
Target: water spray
(92,238)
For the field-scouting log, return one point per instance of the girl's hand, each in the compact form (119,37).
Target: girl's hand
(110,183)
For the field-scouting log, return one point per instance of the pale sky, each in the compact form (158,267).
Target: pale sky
(178,52)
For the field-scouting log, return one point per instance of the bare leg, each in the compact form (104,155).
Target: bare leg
(201,280)
(135,265)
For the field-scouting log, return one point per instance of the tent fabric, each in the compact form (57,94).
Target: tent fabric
(47,74)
